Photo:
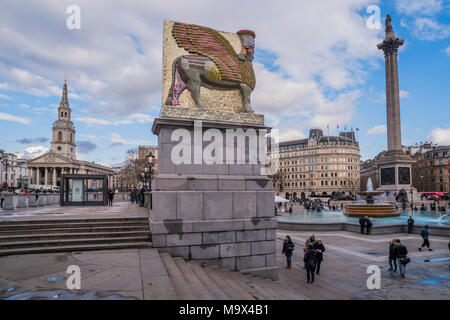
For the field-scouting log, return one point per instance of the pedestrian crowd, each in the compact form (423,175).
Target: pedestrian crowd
(312,255)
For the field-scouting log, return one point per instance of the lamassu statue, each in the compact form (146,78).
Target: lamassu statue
(213,63)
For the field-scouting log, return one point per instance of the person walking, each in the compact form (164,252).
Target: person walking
(410,224)
(402,259)
(110,197)
(424,233)
(310,263)
(288,247)
(320,249)
(142,197)
(392,256)
(362,223)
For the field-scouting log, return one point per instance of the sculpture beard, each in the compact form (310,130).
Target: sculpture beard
(248,48)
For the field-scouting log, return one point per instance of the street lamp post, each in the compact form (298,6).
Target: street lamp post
(150,159)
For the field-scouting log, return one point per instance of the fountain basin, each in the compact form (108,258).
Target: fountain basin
(371,210)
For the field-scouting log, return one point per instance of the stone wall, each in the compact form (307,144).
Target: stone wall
(221,214)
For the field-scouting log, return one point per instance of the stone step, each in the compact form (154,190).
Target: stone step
(85,247)
(244,281)
(155,280)
(275,288)
(75,230)
(179,282)
(217,276)
(70,225)
(209,283)
(70,242)
(72,235)
(239,286)
(194,282)
(18,221)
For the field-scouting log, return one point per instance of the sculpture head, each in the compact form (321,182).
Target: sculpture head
(248,45)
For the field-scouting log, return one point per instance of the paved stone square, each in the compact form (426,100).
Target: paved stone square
(348,255)
(139,274)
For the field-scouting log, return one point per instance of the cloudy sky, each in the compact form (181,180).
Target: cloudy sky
(316,65)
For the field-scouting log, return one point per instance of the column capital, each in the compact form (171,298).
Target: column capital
(390,46)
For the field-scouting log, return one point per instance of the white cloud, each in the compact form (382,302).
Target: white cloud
(440,136)
(4,96)
(117,138)
(135,118)
(113,76)
(32,152)
(24,106)
(380,129)
(404,94)
(90,121)
(10,117)
(425,7)
(447,51)
(291,134)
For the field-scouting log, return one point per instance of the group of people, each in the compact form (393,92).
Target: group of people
(312,255)
(365,223)
(138,196)
(398,257)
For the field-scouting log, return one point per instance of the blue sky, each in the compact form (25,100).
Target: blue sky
(317,65)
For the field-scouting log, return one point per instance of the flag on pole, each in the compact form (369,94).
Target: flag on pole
(357,129)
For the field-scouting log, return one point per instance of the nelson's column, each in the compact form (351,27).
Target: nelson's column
(395,166)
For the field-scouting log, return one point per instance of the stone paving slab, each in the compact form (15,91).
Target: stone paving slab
(55,212)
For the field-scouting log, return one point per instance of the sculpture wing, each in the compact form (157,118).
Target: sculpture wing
(209,43)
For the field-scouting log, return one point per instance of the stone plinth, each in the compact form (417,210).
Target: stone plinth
(41,200)
(32,203)
(10,202)
(22,200)
(221,213)
(395,172)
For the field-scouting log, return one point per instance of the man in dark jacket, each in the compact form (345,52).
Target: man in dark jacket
(401,252)
(288,247)
(392,256)
(320,249)
(362,223)
(368,224)
(310,263)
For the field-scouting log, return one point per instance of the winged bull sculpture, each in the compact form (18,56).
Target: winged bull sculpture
(212,63)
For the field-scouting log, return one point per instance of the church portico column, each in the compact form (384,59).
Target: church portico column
(38,175)
(46,176)
(54,177)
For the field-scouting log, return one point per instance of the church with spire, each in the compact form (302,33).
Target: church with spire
(63,131)
(46,170)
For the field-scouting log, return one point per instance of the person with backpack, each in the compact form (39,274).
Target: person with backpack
(424,233)
(392,256)
(402,259)
(320,249)
(288,247)
(310,263)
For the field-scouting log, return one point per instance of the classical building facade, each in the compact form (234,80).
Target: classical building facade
(318,165)
(47,169)
(431,171)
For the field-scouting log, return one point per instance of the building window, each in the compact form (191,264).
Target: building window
(59,136)
(59,148)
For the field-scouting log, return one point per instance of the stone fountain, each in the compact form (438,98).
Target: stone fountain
(370,206)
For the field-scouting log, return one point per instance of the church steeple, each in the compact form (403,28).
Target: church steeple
(64,98)
(63,141)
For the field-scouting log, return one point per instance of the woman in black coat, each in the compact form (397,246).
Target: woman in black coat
(288,247)
(320,249)
(310,263)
